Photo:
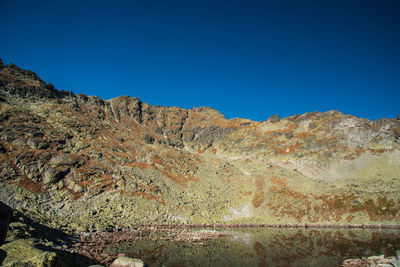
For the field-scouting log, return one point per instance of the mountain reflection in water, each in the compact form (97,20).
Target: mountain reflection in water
(266,247)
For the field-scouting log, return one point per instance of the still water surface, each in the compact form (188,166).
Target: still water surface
(267,247)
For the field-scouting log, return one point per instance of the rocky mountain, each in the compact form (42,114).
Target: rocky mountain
(77,162)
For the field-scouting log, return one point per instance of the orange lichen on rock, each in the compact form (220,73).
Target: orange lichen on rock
(334,206)
(304,135)
(350,218)
(182,208)
(258,198)
(259,250)
(359,151)
(177,168)
(180,178)
(329,207)
(279,182)
(280,203)
(140,165)
(288,149)
(150,193)
(106,181)
(76,195)
(32,186)
(225,179)
(259,184)
(148,196)
(166,169)
(290,127)
(86,183)
(381,209)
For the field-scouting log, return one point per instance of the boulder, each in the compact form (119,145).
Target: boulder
(125,261)
(74,186)
(36,143)
(65,160)
(23,252)
(54,175)
(5,217)
(148,139)
(77,188)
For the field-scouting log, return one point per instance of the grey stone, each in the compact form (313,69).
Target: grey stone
(395,262)
(32,143)
(380,257)
(63,160)
(289,135)
(77,189)
(125,261)
(312,126)
(52,175)
(148,139)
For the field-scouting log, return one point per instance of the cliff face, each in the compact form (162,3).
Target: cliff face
(84,163)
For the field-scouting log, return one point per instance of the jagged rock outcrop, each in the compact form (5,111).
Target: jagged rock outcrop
(84,163)
(25,83)
(273,118)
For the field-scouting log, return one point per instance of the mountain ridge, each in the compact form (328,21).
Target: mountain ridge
(61,93)
(89,163)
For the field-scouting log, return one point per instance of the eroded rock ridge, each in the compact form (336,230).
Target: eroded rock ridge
(82,163)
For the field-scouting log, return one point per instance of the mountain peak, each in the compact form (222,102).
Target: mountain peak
(125,160)
(26,83)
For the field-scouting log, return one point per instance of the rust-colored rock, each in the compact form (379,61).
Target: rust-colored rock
(90,164)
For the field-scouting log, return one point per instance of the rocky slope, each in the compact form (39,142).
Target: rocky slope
(77,162)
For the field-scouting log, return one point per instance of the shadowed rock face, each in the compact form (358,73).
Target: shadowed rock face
(85,163)
(5,218)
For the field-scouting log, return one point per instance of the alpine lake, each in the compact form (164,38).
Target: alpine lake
(262,247)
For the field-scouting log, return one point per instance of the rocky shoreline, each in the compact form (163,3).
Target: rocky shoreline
(93,245)
(31,243)
(84,249)
(375,261)
(267,225)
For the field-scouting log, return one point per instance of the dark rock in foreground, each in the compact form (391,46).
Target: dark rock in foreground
(5,218)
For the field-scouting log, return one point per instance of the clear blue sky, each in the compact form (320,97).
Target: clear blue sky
(248,59)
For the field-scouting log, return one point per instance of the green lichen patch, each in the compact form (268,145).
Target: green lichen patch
(24,253)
